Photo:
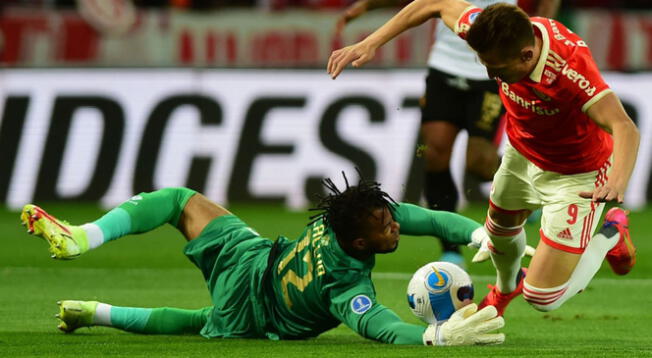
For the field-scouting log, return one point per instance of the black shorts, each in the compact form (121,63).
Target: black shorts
(469,104)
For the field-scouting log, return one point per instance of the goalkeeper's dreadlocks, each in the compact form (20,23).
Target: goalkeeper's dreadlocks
(347,212)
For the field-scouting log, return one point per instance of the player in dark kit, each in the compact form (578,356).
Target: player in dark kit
(274,289)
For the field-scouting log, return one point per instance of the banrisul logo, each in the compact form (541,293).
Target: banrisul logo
(360,304)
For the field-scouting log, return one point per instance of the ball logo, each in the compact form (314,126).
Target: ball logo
(360,304)
(437,281)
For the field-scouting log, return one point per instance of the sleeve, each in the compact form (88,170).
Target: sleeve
(356,307)
(586,79)
(418,221)
(464,22)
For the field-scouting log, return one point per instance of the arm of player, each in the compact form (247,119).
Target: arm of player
(450,227)
(360,7)
(609,114)
(353,302)
(412,15)
(467,326)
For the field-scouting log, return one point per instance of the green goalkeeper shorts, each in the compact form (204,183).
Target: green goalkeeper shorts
(232,257)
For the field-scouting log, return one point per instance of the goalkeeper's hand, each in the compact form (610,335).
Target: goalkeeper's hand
(467,326)
(480,241)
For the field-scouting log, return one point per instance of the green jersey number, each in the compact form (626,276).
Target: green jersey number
(291,277)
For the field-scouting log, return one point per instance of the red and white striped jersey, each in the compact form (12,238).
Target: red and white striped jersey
(546,111)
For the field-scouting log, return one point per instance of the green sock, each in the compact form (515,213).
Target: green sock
(162,320)
(176,321)
(144,212)
(130,319)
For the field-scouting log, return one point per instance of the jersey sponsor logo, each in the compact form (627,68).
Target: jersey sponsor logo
(565,234)
(559,37)
(360,304)
(579,79)
(526,103)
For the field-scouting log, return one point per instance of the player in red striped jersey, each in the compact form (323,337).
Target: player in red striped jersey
(573,147)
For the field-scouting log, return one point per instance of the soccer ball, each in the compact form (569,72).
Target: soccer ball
(437,290)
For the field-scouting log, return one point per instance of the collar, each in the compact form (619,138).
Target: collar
(348,261)
(543,56)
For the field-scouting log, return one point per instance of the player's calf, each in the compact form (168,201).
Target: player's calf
(545,299)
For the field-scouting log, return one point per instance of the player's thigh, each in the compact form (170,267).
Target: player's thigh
(198,212)
(483,110)
(481,157)
(567,220)
(439,137)
(512,195)
(442,116)
(567,226)
(482,115)
(550,267)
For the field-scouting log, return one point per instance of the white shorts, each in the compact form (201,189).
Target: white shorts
(568,221)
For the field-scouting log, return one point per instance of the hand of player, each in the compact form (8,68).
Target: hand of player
(357,54)
(467,326)
(480,241)
(356,9)
(605,193)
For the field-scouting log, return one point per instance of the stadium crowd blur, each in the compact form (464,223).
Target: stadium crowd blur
(311,4)
(265,33)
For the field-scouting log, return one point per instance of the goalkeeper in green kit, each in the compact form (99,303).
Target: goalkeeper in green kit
(274,289)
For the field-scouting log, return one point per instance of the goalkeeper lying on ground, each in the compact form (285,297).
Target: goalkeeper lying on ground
(278,290)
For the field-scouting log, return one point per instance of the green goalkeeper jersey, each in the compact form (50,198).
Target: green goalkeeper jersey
(313,285)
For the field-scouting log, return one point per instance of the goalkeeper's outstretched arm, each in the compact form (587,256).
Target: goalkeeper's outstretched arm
(467,326)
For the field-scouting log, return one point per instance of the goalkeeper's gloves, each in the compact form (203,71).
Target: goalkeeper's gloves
(467,326)
(480,241)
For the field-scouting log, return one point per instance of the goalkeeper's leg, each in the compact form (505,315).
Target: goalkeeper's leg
(143,212)
(163,320)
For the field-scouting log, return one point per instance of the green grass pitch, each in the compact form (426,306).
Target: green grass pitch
(611,318)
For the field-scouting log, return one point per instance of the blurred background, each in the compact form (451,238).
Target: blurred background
(103,99)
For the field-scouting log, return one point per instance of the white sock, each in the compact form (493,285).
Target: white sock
(102,315)
(508,247)
(590,262)
(547,299)
(94,235)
